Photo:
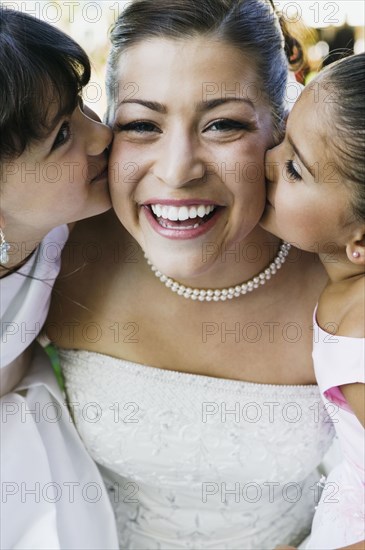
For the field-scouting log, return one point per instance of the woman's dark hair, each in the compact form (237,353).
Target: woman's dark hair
(40,66)
(344,83)
(250,25)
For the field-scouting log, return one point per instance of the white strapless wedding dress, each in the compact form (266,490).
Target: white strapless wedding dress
(198,462)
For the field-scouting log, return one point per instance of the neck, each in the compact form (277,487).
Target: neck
(18,259)
(227,267)
(339,268)
(23,243)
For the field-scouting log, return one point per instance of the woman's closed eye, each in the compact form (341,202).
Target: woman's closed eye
(63,135)
(293,170)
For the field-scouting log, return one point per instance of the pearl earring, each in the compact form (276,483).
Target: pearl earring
(4,249)
(356,255)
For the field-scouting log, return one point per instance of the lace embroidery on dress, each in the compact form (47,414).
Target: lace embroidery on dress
(197,462)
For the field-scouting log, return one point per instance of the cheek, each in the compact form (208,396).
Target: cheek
(242,167)
(123,168)
(295,217)
(68,187)
(286,204)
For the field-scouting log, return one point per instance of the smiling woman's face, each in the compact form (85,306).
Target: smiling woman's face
(186,168)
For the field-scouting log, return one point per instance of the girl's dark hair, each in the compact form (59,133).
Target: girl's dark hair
(40,66)
(344,83)
(250,25)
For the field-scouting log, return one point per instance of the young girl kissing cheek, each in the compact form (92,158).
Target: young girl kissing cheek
(306,198)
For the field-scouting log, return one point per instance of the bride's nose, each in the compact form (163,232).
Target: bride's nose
(179,161)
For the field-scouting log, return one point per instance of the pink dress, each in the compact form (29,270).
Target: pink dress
(340,517)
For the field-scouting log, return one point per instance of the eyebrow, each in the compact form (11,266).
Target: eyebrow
(153,105)
(211,104)
(300,157)
(202,107)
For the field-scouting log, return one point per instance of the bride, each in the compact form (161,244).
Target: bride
(183,328)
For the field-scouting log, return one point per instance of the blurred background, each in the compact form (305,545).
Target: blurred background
(328,30)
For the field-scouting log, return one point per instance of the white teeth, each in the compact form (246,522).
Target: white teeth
(166,225)
(158,211)
(201,211)
(193,212)
(173,214)
(183,213)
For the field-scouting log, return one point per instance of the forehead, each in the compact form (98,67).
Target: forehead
(198,69)
(309,125)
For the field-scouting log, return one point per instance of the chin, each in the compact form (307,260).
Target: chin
(177,265)
(268,224)
(96,210)
(102,208)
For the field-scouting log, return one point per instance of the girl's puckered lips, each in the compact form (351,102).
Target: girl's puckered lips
(102,173)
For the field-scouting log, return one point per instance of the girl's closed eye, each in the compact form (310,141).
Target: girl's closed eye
(293,170)
(63,135)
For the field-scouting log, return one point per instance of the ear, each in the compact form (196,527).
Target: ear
(355,248)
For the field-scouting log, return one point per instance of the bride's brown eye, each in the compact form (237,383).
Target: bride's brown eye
(139,127)
(227,124)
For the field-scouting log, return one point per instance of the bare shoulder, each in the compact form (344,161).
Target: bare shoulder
(84,246)
(353,322)
(93,247)
(92,241)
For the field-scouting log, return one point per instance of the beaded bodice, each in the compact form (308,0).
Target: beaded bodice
(194,461)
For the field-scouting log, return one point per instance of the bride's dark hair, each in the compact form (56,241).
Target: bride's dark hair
(250,25)
(40,67)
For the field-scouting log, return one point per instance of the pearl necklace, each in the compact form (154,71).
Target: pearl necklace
(224,293)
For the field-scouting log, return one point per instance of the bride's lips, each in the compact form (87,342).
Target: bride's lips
(181,219)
